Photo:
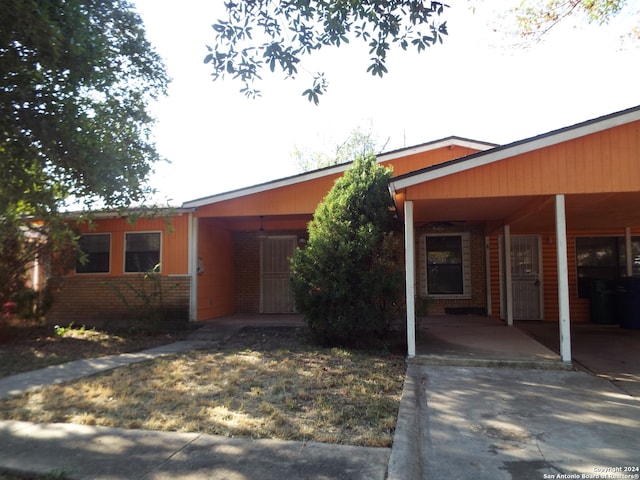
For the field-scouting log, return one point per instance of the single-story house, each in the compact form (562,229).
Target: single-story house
(563,205)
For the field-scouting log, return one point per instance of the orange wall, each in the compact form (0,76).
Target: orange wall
(174,246)
(600,162)
(579,307)
(303,197)
(216,283)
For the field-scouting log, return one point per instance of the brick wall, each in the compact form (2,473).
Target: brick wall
(118,301)
(477,301)
(246,264)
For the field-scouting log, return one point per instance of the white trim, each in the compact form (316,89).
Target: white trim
(517,148)
(193,266)
(487,276)
(410,277)
(426,147)
(507,274)
(465,244)
(323,172)
(563,281)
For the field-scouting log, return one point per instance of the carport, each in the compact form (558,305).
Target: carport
(551,190)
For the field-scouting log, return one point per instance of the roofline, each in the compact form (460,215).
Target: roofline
(158,212)
(443,142)
(516,148)
(333,169)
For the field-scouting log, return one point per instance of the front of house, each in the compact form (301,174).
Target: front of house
(563,204)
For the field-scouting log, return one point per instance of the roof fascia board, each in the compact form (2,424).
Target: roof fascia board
(315,174)
(514,149)
(263,187)
(445,142)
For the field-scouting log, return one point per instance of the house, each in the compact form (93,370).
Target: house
(562,204)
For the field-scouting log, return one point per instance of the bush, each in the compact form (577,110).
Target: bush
(347,282)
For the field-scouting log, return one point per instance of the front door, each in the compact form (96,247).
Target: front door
(275,287)
(526,278)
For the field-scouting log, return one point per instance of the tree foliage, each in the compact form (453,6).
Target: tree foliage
(76,78)
(535,18)
(277,33)
(359,143)
(347,280)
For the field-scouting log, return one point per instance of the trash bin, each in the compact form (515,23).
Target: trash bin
(628,303)
(602,296)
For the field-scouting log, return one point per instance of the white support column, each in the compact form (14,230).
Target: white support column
(487,263)
(508,288)
(193,267)
(628,251)
(410,277)
(563,281)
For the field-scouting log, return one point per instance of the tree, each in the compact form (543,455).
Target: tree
(359,143)
(76,80)
(347,281)
(278,33)
(535,18)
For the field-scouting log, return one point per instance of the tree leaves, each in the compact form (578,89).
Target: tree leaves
(278,33)
(76,78)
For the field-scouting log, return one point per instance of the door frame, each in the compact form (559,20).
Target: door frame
(503,297)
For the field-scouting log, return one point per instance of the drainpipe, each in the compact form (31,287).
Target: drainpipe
(410,264)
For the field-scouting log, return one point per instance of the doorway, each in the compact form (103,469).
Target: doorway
(526,277)
(275,274)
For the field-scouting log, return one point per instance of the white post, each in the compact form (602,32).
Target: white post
(563,281)
(410,266)
(507,274)
(193,267)
(628,251)
(487,262)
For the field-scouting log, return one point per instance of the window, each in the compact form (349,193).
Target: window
(142,252)
(603,258)
(445,259)
(96,249)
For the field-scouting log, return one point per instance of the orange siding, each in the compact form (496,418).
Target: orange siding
(601,162)
(303,197)
(216,283)
(174,247)
(417,161)
(579,307)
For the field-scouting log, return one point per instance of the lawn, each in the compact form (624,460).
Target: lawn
(26,345)
(261,383)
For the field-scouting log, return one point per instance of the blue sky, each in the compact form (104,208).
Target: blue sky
(476,85)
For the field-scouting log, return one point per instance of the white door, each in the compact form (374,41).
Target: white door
(275,287)
(526,277)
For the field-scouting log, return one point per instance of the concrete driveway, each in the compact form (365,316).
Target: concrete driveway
(489,403)
(607,351)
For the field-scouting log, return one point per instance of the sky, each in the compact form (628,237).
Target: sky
(476,85)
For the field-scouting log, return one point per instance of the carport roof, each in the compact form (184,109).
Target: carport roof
(516,148)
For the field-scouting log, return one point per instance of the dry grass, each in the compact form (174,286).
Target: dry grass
(263,383)
(26,346)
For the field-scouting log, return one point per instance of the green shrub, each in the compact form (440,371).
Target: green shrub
(347,282)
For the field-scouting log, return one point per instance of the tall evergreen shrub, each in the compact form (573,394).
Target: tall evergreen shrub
(347,281)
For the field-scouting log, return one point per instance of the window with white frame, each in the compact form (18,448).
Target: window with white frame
(142,252)
(447,264)
(96,253)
